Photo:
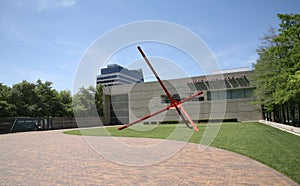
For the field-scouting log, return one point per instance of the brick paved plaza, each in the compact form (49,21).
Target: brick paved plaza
(54,158)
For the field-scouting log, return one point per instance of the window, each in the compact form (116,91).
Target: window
(198,98)
(249,93)
(230,94)
(238,94)
(222,94)
(165,99)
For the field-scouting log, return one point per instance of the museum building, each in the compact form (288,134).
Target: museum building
(227,95)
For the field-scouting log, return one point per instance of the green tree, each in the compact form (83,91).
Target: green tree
(66,101)
(88,101)
(99,99)
(277,71)
(25,99)
(289,58)
(6,109)
(265,72)
(49,103)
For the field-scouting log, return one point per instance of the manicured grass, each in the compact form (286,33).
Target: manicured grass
(273,147)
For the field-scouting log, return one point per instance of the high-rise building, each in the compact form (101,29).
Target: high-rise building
(117,75)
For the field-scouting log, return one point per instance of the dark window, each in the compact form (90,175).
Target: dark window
(230,94)
(198,98)
(222,94)
(106,77)
(249,93)
(238,93)
(165,99)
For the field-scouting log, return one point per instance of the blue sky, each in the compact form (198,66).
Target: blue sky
(46,39)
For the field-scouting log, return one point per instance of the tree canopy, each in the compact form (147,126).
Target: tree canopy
(88,101)
(277,71)
(39,99)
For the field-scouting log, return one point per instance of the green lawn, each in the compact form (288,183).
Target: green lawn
(273,147)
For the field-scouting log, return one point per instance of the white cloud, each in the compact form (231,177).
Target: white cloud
(15,32)
(228,51)
(237,56)
(53,4)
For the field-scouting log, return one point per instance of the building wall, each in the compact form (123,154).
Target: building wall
(146,98)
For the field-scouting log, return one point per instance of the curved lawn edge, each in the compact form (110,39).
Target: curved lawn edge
(275,148)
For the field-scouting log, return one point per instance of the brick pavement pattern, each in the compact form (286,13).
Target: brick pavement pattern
(54,158)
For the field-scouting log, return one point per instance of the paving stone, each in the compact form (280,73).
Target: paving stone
(53,158)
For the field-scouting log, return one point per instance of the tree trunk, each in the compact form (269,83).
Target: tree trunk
(283,114)
(274,114)
(279,114)
(292,109)
(263,112)
(276,119)
(298,122)
(287,114)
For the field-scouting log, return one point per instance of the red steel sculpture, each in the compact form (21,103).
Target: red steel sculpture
(174,104)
